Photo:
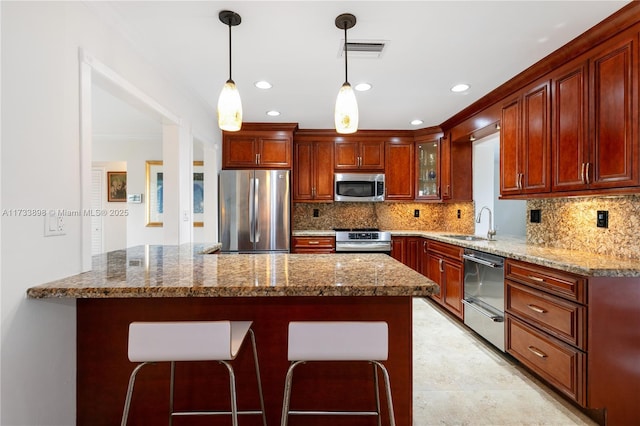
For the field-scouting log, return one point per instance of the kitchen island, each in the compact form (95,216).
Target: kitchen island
(170,283)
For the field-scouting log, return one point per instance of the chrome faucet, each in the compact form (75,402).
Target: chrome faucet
(491,232)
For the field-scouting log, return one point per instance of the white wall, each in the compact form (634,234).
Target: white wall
(40,170)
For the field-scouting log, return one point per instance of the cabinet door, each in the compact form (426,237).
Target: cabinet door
(445,168)
(510,148)
(398,248)
(239,152)
(347,155)
(614,109)
(536,131)
(372,155)
(399,171)
(454,287)
(274,152)
(303,171)
(428,170)
(569,128)
(434,273)
(413,250)
(323,171)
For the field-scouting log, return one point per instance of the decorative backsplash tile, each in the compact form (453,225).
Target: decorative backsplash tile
(386,216)
(570,223)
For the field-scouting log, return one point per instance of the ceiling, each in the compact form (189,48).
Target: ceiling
(295,45)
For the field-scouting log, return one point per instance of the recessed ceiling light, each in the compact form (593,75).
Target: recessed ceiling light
(273,113)
(460,87)
(262,84)
(416,122)
(363,87)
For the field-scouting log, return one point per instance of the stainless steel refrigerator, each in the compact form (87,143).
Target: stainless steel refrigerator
(254,210)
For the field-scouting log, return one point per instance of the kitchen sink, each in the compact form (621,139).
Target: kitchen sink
(466,237)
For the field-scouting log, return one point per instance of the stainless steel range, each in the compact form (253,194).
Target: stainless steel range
(365,240)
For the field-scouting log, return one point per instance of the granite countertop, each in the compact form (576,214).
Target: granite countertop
(583,263)
(185,271)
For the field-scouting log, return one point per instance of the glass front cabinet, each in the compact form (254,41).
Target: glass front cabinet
(428,170)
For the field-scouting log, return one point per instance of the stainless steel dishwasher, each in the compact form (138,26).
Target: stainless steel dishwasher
(484,295)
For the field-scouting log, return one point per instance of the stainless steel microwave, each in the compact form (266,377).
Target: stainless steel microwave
(359,187)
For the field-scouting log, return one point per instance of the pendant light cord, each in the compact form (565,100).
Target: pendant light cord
(346,79)
(230,50)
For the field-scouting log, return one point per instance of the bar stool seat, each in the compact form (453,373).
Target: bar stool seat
(151,342)
(338,341)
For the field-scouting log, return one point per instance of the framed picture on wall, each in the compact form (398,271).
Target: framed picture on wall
(154,197)
(198,194)
(154,176)
(117,187)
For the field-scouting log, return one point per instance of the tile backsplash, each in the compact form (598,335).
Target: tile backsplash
(386,216)
(570,223)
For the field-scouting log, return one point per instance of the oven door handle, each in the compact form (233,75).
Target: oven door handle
(488,263)
(490,315)
(382,246)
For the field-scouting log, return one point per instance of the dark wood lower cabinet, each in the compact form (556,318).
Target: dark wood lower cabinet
(103,367)
(444,266)
(580,334)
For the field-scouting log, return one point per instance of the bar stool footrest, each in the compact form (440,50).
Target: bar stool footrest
(334,413)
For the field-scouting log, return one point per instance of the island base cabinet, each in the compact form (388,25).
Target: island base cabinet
(103,367)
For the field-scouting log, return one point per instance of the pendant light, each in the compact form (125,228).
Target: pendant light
(346,112)
(229,104)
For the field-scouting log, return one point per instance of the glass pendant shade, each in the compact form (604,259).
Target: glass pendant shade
(229,108)
(346,113)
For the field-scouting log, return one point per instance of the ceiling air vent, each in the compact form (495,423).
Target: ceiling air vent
(364,49)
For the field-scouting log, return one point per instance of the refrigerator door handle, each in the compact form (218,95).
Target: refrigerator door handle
(256,211)
(252,211)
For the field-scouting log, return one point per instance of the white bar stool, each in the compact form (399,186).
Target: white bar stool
(338,341)
(220,341)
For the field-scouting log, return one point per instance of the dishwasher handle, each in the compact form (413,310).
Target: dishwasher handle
(486,313)
(481,261)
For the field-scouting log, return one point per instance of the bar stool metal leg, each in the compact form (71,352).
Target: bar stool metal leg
(287,392)
(385,374)
(376,384)
(255,359)
(127,401)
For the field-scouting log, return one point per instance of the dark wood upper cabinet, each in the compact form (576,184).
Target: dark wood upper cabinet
(359,155)
(399,170)
(570,150)
(525,140)
(614,115)
(313,171)
(258,145)
(595,118)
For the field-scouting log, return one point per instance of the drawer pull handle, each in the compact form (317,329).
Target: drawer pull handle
(314,242)
(533,277)
(537,309)
(537,352)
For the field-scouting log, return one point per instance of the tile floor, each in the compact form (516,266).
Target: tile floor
(460,380)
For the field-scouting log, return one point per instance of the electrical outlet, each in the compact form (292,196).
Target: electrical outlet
(602,219)
(458,214)
(316,213)
(534,216)
(53,224)
(416,213)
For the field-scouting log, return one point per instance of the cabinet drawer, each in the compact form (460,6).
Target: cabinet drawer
(313,244)
(563,319)
(444,249)
(558,282)
(558,363)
